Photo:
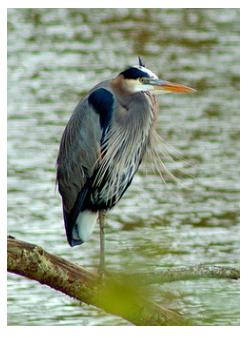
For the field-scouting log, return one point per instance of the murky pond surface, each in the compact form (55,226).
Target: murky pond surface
(55,57)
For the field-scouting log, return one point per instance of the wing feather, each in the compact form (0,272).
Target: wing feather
(80,150)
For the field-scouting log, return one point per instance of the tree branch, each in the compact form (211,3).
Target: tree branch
(122,294)
(113,296)
(183,274)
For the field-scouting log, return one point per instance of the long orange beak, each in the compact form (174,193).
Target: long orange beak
(165,86)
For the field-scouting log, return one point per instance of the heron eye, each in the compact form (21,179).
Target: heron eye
(141,79)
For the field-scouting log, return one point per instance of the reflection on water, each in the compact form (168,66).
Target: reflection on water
(55,57)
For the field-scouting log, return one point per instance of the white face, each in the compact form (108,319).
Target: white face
(136,85)
(150,82)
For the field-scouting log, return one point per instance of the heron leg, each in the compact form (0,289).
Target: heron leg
(102,243)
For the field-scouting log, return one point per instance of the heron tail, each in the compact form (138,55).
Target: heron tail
(79,223)
(84,226)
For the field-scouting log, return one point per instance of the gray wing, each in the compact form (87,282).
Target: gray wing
(80,151)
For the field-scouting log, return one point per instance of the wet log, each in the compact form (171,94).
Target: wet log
(117,297)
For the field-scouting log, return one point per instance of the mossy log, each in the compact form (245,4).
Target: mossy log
(112,295)
(122,294)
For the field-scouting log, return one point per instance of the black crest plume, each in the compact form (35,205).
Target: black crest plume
(141,61)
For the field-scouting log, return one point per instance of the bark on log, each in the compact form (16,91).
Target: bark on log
(112,295)
(183,274)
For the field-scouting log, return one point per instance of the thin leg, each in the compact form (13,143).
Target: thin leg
(102,243)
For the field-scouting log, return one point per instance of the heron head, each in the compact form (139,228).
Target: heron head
(138,78)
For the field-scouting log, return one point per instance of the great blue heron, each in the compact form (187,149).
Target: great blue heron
(103,145)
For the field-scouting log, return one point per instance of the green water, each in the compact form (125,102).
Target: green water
(55,57)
